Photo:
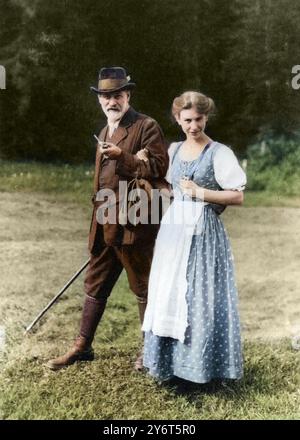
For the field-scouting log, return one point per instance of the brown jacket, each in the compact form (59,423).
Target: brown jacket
(135,132)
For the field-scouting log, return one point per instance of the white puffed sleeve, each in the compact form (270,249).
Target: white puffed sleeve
(171,151)
(228,172)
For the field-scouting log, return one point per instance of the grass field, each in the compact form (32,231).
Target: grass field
(43,232)
(75,184)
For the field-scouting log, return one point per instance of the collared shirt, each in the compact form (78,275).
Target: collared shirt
(112,126)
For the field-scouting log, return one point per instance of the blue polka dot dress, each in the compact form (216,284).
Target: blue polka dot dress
(212,341)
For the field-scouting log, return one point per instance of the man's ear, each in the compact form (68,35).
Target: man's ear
(128,94)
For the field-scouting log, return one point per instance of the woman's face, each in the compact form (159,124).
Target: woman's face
(192,123)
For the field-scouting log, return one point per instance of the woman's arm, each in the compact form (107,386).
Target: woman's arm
(225,197)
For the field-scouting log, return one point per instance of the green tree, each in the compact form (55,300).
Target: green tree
(239,52)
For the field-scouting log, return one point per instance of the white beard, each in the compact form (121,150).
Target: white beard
(112,116)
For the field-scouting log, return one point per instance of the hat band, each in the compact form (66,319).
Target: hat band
(109,84)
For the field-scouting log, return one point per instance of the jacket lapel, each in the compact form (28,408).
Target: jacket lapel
(121,133)
(102,137)
(103,133)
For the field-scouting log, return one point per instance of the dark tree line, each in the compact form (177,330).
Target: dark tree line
(240,52)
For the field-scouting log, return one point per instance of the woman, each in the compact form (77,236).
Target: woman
(191,323)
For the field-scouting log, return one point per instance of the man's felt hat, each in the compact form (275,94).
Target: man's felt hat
(113,79)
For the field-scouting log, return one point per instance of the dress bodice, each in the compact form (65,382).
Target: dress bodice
(200,170)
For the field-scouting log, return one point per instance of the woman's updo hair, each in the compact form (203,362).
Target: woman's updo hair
(203,104)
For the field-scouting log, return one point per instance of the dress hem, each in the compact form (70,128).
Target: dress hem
(205,379)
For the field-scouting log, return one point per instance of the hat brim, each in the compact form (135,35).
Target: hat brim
(128,86)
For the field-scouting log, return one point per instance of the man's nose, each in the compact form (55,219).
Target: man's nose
(112,100)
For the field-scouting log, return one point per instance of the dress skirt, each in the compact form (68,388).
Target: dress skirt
(212,343)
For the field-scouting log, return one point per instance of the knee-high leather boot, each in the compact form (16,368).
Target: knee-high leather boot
(138,365)
(82,350)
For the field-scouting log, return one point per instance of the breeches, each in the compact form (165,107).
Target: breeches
(107,264)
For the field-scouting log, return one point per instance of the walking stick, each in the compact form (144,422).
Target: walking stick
(29,327)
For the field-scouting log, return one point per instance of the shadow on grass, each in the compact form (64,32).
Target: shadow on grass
(184,387)
(267,375)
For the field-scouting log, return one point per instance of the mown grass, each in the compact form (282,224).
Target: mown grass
(75,184)
(108,388)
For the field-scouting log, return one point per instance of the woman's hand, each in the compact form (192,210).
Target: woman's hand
(143,154)
(191,189)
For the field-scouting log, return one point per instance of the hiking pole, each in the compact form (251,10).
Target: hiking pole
(29,327)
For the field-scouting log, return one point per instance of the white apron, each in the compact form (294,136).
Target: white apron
(167,310)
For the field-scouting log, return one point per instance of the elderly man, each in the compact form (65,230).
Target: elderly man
(114,246)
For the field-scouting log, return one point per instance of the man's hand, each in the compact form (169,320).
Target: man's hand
(110,150)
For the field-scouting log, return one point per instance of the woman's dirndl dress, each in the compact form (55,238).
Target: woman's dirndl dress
(191,325)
